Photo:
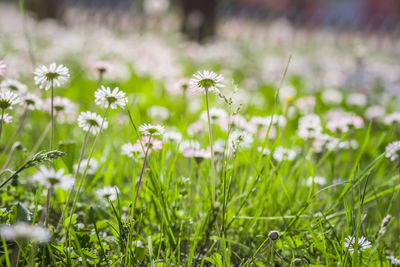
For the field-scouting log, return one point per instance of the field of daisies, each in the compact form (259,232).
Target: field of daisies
(270,146)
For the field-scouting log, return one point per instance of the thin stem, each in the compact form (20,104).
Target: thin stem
(47,209)
(1,122)
(75,177)
(141,175)
(17,130)
(86,168)
(41,138)
(52,116)
(211,146)
(10,155)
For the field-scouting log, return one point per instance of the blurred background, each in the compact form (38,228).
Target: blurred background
(199,19)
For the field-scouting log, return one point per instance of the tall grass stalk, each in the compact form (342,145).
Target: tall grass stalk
(210,130)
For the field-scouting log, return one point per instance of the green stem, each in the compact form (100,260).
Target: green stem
(47,209)
(211,146)
(52,116)
(75,178)
(86,168)
(1,122)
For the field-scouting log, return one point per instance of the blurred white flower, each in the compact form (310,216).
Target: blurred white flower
(109,192)
(158,112)
(374,112)
(50,177)
(107,98)
(281,154)
(13,86)
(345,123)
(356,99)
(3,68)
(216,115)
(46,76)
(392,118)
(309,127)
(306,104)
(196,127)
(172,136)
(332,96)
(188,144)
(65,109)
(32,101)
(92,168)
(318,180)
(91,121)
(6,118)
(24,231)
(392,150)
(148,129)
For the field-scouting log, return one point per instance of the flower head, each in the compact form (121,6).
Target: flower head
(107,98)
(350,243)
(206,80)
(92,168)
(64,109)
(50,177)
(6,118)
(3,67)
(8,99)
(109,192)
(392,150)
(309,127)
(91,121)
(281,154)
(13,85)
(148,129)
(54,75)
(23,231)
(32,101)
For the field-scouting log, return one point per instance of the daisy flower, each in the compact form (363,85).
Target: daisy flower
(281,154)
(107,98)
(206,80)
(6,118)
(23,231)
(91,121)
(216,114)
(92,168)
(31,101)
(3,67)
(148,129)
(392,118)
(172,136)
(197,154)
(8,99)
(350,243)
(64,109)
(108,192)
(54,75)
(50,177)
(13,85)
(392,150)
(318,180)
(309,127)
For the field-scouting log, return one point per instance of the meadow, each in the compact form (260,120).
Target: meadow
(270,146)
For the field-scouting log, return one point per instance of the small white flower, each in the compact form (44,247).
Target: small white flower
(31,101)
(8,99)
(392,150)
(345,123)
(392,118)
(46,76)
(196,127)
(64,109)
(13,86)
(148,129)
(374,112)
(107,98)
(92,168)
(172,136)
(281,154)
(356,99)
(350,243)
(24,231)
(6,118)
(109,192)
(206,80)
(91,121)
(188,144)
(332,96)
(318,180)
(309,127)
(238,139)
(216,114)
(3,67)
(393,260)
(50,177)
(158,112)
